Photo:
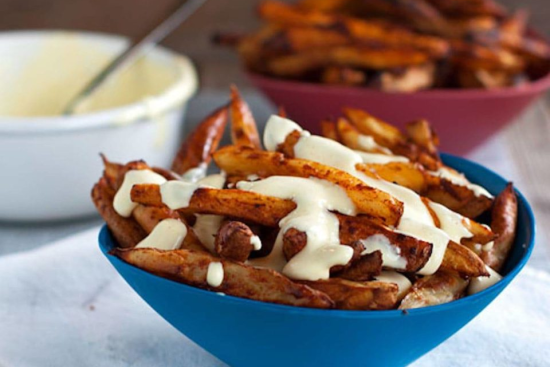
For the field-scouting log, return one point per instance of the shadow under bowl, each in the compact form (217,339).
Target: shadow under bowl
(244,332)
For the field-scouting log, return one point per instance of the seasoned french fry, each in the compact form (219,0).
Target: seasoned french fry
(406,174)
(299,64)
(245,161)
(320,29)
(349,295)
(351,137)
(244,205)
(363,269)
(201,143)
(327,6)
(415,252)
(407,79)
(436,289)
(339,75)
(463,262)
(383,133)
(233,241)
(243,126)
(456,197)
(294,241)
(421,133)
(126,231)
(146,217)
(286,15)
(239,280)
(467,8)
(503,223)
(329,130)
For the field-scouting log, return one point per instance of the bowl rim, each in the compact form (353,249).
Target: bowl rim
(532,87)
(105,238)
(181,89)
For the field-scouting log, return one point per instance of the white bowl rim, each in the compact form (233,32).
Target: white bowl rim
(104,118)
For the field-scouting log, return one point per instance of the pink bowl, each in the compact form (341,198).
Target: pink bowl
(463,119)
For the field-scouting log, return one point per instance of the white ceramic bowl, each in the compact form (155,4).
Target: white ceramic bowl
(49,164)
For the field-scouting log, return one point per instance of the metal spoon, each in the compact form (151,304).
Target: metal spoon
(139,47)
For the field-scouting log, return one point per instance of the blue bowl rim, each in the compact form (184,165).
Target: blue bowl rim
(105,238)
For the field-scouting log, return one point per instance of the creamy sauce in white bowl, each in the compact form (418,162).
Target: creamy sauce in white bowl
(53,159)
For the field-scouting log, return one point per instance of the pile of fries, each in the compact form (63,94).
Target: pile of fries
(223,233)
(394,45)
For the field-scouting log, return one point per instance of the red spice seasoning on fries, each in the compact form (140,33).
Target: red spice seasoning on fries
(365,218)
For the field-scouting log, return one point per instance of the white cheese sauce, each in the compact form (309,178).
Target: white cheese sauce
(195,174)
(122,203)
(256,243)
(403,283)
(416,220)
(481,283)
(391,255)
(314,199)
(206,227)
(277,129)
(215,274)
(167,235)
(177,194)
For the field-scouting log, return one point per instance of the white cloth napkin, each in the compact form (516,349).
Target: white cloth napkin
(64,305)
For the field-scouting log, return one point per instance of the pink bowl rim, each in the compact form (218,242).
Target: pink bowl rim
(537,86)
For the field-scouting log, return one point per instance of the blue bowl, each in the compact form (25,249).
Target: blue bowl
(243,332)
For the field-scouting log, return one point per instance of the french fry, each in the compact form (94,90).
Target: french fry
(286,15)
(329,130)
(415,252)
(479,57)
(294,241)
(467,8)
(243,126)
(201,143)
(407,79)
(370,201)
(405,174)
(351,137)
(146,217)
(503,223)
(328,25)
(126,231)
(339,75)
(349,295)
(239,280)
(458,198)
(383,133)
(326,6)
(244,205)
(299,39)
(460,260)
(421,133)
(299,64)
(441,287)
(363,269)
(233,241)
